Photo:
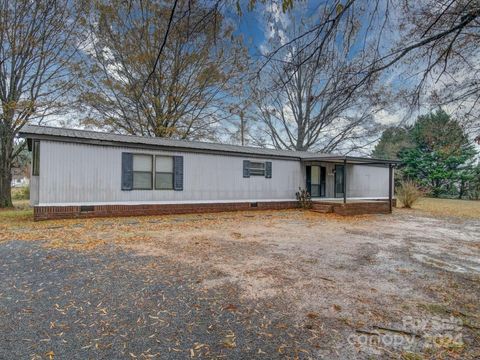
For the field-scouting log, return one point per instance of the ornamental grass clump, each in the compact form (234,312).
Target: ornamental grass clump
(408,193)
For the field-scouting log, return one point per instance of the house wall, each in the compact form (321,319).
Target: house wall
(72,173)
(34,190)
(367,181)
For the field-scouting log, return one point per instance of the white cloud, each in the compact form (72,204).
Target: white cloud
(385,117)
(276,23)
(277,15)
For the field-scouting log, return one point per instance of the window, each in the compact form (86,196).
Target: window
(142,172)
(315,192)
(257,169)
(163,172)
(36,158)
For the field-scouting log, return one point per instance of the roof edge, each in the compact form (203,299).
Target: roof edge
(235,150)
(66,135)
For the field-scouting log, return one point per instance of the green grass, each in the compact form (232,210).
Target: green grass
(21,193)
(21,212)
(15,214)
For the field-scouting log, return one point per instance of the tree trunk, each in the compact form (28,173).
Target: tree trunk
(6,149)
(462,189)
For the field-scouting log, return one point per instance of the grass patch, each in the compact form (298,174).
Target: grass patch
(450,207)
(412,356)
(437,309)
(11,219)
(21,193)
(20,213)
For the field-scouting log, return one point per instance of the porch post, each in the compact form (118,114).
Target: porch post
(390,186)
(345,180)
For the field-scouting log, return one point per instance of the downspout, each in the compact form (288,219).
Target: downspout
(390,187)
(345,180)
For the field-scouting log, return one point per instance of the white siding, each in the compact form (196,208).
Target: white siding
(34,190)
(367,181)
(74,173)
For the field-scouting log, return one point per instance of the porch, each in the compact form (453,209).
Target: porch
(350,185)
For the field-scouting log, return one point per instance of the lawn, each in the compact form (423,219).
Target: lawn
(450,207)
(266,284)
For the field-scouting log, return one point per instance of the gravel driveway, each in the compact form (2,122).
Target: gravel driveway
(241,286)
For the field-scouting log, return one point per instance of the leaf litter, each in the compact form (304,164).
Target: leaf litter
(207,286)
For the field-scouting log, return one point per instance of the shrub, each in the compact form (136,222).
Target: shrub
(304,199)
(408,193)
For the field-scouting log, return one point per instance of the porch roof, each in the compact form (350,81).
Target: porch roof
(349,160)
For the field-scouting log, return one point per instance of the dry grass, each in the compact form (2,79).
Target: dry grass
(450,207)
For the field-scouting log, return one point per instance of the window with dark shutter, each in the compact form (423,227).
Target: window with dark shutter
(246,168)
(268,169)
(178,173)
(142,172)
(163,172)
(257,168)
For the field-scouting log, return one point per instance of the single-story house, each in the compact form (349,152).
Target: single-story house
(80,173)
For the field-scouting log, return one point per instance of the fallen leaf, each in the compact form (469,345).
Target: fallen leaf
(231,307)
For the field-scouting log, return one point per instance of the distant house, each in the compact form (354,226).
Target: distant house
(20,176)
(19,181)
(78,173)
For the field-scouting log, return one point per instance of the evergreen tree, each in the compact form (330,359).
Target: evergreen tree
(442,159)
(393,141)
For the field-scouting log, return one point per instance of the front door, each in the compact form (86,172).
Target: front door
(339,184)
(316,180)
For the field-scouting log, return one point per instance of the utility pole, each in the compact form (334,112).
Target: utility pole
(242,128)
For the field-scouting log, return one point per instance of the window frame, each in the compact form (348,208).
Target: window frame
(164,172)
(152,157)
(36,158)
(263,170)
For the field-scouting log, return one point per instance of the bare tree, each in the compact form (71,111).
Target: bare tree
(311,100)
(36,50)
(435,43)
(160,69)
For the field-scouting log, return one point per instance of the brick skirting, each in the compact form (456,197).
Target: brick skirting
(73,212)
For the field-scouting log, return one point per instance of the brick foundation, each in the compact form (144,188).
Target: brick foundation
(73,212)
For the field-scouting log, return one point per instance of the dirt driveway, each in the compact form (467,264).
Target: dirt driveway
(285,284)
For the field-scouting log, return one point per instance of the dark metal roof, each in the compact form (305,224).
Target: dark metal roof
(102,138)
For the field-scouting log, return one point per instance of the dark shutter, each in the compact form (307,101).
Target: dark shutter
(178,173)
(246,168)
(268,169)
(127,171)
